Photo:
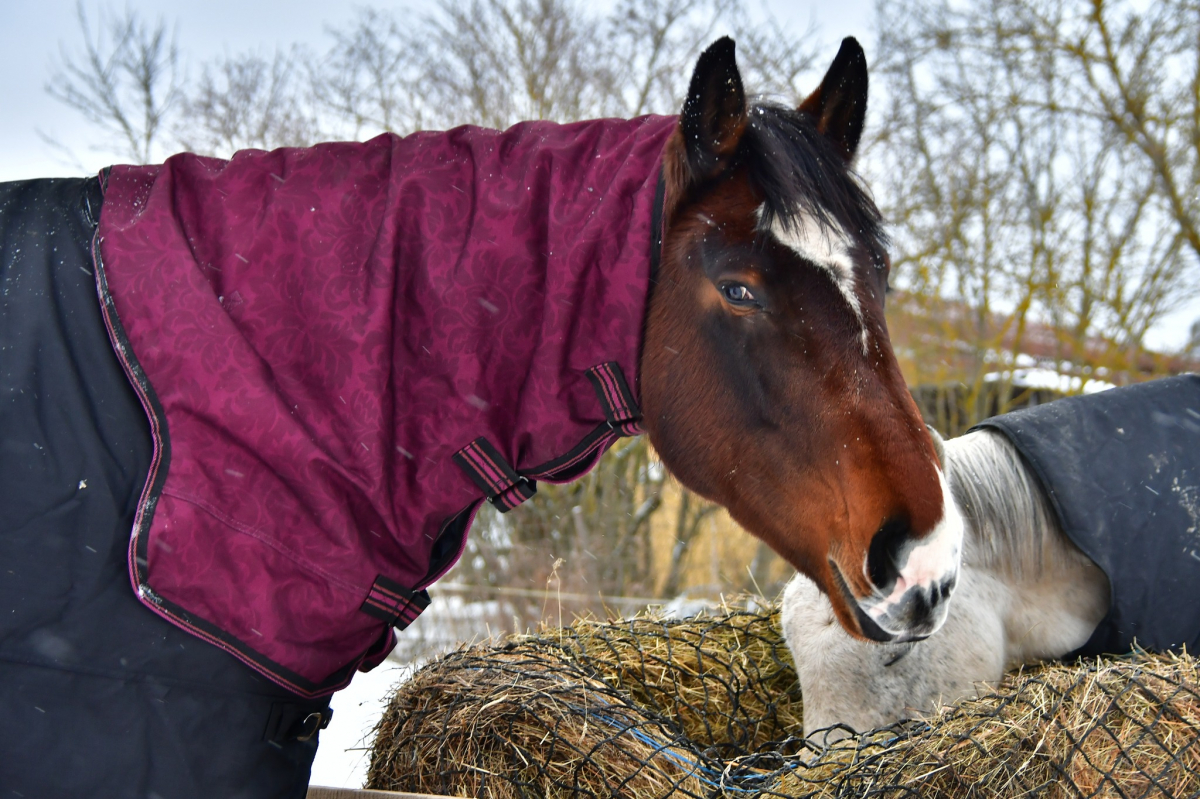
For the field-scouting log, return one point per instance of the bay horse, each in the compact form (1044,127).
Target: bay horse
(768,378)
(1065,554)
(295,376)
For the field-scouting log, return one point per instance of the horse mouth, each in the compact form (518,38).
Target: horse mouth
(866,624)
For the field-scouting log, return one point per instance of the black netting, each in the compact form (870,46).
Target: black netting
(710,707)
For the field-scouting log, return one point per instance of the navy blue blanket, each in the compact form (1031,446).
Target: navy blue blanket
(100,697)
(1122,472)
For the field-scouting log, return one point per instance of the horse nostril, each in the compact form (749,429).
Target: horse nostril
(882,557)
(941,592)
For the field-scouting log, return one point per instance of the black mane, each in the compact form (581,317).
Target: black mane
(798,169)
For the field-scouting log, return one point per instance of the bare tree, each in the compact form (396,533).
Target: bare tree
(246,101)
(650,41)
(496,62)
(125,81)
(688,520)
(647,44)
(1022,216)
(773,61)
(501,61)
(1141,75)
(486,62)
(369,81)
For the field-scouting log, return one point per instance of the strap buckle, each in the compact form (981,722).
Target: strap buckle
(500,482)
(289,722)
(312,724)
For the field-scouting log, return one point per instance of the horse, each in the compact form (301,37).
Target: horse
(303,371)
(1050,569)
(768,378)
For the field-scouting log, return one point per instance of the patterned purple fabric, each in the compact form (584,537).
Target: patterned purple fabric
(316,333)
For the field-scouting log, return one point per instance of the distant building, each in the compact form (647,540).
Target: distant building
(964,366)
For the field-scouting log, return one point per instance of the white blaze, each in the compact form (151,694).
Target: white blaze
(827,246)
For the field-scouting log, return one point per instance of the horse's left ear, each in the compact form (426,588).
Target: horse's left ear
(714,114)
(839,105)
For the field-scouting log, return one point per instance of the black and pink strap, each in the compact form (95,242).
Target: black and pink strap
(394,604)
(506,488)
(620,408)
(499,481)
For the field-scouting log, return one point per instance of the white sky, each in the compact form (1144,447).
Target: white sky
(32,32)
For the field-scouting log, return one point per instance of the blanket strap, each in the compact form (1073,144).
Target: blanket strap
(394,604)
(620,408)
(499,481)
(506,488)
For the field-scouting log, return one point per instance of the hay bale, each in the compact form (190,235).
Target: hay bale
(1122,727)
(726,681)
(650,708)
(516,723)
(647,705)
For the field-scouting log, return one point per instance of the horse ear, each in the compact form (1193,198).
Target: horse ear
(839,105)
(714,114)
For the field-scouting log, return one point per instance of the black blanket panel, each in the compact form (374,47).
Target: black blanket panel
(1122,471)
(99,697)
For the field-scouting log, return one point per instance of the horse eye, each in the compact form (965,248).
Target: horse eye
(738,294)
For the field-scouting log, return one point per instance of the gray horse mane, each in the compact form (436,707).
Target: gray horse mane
(1010,525)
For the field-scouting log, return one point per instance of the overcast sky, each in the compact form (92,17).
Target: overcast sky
(33,31)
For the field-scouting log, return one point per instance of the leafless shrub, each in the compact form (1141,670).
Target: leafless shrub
(248,101)
(126,80)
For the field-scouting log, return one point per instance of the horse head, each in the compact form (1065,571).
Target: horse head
(768,380)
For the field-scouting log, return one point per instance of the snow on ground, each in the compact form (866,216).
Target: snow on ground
(343,753)
(1038,377)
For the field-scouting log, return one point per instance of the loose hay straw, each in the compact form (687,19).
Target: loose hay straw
(1124,727)
(649,708)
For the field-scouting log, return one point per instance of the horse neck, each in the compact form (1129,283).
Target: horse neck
(1010,526)
(1049,595)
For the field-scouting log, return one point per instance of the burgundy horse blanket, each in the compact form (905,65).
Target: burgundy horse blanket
(342,350)
(1122,472)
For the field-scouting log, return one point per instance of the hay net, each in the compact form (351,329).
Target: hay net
(710,707)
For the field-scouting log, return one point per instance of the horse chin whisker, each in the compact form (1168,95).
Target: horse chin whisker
(900,656)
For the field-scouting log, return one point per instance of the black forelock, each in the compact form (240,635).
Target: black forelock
(798,169)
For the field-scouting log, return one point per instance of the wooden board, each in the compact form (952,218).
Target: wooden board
(317,792)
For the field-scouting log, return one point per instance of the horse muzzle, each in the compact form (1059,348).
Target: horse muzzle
(911,579)
(918,613)
(915,615)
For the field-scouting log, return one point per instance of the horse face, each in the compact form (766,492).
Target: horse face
(768,380)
